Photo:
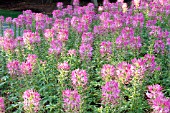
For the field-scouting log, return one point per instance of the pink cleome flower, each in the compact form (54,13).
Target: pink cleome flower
(71,100)
(79,78)
(110,93)
(108,72)
(31,100)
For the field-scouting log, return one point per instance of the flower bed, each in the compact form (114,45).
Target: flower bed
(80,60)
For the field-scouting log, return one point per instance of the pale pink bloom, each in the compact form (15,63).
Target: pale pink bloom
(31,101)
(110,93)
(14,67)
(59,5)
(71,101)
(79,78)
(108,72)
(72,52)
(9,33)
(63,66)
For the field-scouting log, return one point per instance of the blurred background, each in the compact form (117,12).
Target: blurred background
(15,7)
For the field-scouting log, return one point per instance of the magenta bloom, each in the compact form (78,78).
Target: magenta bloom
(135,43)
(59,5)
(99,30)
(2,105)
(40,25)
(138,20)
(150,63)
(85,51)
(32,58)
(106,48)
(9,33)
(108,72)
(8,44)
(140,67)
(57,14)
(26,68)
(75,21)
(127,39)
(31,38)
(55,47)
(110,93)
(87,38)
(72,52)
(125,71)
(82,27)
(63,66)
(31,101)
(39,17)
(159,46)
(49,34)
(79,78)
(76,2)
(157,100)
(14,67)
(168,41)
(87,19)
(71,101)
(8,20)
(63,35)
(104,16)
(1,19)
(161,105)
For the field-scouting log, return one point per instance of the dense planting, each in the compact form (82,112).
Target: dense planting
(80,60)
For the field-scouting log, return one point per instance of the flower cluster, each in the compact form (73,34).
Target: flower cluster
(72,52)
(127,40)
(15,68)
(110,93)
(85,51)
(87,38)
(49,34)
(64,66)
(79,78)
(106,48)
(8,44)
(55,47)
(157,100)
(124,72)
(59,5)
(9,33)
(62,35)
(108,72)
(31,101)
(30,37)
(71,100)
